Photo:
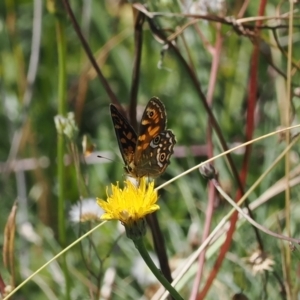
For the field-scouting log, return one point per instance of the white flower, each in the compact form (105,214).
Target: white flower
(85,210)
(260,262)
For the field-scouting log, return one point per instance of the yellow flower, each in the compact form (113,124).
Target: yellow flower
(130,204)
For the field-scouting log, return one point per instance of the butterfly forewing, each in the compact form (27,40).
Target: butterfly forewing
(154,120)
(126,136)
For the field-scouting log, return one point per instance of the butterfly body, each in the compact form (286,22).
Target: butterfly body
(149,152)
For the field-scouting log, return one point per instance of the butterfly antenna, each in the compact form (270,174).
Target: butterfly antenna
(100,156)
(112,160)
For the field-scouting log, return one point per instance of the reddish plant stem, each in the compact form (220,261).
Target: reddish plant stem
(243,175)
(2,286)
(216,52)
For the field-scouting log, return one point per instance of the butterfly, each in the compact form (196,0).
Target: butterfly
(149,152)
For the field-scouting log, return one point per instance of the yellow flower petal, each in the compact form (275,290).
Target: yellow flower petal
(130,203)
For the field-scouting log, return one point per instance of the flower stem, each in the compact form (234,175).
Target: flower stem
(139,244)
(62,77)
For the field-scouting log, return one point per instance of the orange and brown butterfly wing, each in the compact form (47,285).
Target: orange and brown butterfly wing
(154,120)
(155,143)
(126,136)
(155,159)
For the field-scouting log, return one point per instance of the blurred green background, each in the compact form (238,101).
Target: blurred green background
(31,34)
